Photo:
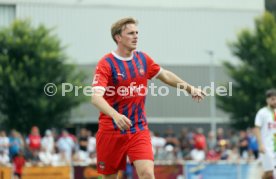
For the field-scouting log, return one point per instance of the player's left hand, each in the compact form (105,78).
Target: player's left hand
(197,94)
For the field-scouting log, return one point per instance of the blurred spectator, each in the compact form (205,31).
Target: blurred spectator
(58,159)
(234,154)
(185,150)
(34,158)
(83,140)
(183,138)
(198,153)
(223,150)
(34,140)
(211,140)
(81,157)
(55,134)
(157,144)
(213,155)
(243,145)
(253,144)
(4,142)
(65,145)
(185,143)
(18,162)
(220,134)
(200,140)
(169,153)
(170,137)
(233,138)
(169,132)
(91,147)
(45,157)
(128,174)
(172,145)
(47,142)
(15,143)
(4,158)
(73,137)
(22,141)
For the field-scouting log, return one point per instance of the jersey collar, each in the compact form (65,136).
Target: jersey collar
(122,58)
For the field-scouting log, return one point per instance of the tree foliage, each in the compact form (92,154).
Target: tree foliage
(31,57)
(270,6)
(255,73)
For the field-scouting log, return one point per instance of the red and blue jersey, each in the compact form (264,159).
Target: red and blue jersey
(125,84)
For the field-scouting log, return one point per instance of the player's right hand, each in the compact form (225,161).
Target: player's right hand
(122,122)
(197,94)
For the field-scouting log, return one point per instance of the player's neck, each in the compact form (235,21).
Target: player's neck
(271,108)
(124,53)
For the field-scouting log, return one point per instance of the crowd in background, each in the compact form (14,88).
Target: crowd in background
(195,145)
(50,149)
(64,148)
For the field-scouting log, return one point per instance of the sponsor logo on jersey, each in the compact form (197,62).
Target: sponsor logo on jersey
(121,74)
(272,125)
(96,79)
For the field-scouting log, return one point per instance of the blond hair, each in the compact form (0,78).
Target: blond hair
(118,26)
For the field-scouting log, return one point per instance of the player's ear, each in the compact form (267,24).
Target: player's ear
(117,37)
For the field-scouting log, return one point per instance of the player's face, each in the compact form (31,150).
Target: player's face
(272,102)
(129,37)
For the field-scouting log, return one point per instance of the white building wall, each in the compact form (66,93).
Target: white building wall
(172,33)
(7,14)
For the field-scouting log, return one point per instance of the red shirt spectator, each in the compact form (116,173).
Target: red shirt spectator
(19,162)
(34,139)
(213,155)
(199,140)
(34,142)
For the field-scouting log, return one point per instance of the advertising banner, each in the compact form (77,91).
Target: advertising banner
(46,172)
(166,172)
(222,170)
(5,172)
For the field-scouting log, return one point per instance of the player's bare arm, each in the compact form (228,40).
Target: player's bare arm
(100,103)
(257,132)
(173,80)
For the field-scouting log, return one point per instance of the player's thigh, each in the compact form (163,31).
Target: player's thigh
(267,161)
(144,168)
(140,147)
(141,155)
(111,153)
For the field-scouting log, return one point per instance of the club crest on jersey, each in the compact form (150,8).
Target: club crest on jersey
(101,165)
(141,70)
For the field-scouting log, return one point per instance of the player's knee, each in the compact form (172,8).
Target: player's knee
(147,174)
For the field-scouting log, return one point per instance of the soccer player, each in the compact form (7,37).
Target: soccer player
(119,89)
(265,131)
